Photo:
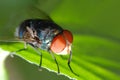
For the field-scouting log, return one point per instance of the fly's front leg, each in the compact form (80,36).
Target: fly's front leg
(69,60)
(55,62)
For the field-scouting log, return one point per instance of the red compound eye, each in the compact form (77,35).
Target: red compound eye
(68,35)
(58,44)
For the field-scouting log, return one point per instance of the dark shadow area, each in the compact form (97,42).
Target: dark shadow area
(19,69)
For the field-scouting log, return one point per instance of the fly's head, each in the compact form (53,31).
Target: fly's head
(61,43)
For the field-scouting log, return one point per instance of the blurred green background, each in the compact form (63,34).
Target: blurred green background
(95,25)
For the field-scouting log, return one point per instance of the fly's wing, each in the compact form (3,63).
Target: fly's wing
(8,30)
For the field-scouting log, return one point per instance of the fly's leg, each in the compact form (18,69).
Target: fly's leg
(40,63)
(23,49)
(69,60)
(55,62)
(14,41)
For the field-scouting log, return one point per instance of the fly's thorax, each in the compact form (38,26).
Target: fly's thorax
(46,36)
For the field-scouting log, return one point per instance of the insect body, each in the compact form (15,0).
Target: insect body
(46,35)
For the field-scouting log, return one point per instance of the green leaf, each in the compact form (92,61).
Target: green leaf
(94,65)
(3,55)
